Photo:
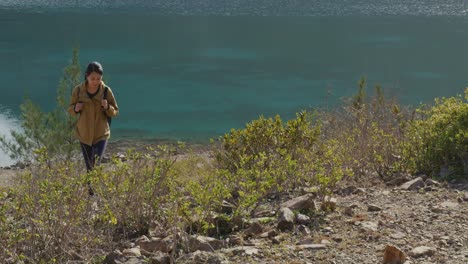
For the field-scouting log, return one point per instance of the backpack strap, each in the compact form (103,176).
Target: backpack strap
(105,91)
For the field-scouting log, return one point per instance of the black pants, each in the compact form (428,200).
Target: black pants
(93,154)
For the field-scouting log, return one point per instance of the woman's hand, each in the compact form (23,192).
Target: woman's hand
(104,104)
(79,106)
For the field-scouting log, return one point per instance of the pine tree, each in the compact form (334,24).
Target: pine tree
(53,131)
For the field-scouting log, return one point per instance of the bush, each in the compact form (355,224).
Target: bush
(270,156)
(438,140)
(368,132)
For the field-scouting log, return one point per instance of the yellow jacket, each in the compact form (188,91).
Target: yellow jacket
(92,123)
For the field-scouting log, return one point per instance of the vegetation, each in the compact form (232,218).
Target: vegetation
(48,216)
(51,130)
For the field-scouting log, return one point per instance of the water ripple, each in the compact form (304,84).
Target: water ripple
(251,8)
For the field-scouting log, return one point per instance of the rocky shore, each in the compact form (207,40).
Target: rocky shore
(408,220)
(420,221)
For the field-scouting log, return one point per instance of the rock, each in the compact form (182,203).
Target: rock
(7,168)
(393,255)
(306,241)
(302,229)
(254,229)
(369,226)
(269,234)
(347,190)
(431,182)
(160,258)
(202,243)
(20,165)
(398,235)
(310,247)
(132,252)
(360,191)
(142,239)
(200,257)
(413,185)
(116,257)
(156,244)
(373,208)
(75,256)
(437,210)
(303,219)
(328,204)
(422,252)
(398,179)
(348,211)
(450,205)
(235,240)
(465,197)
(325,242)
(242,250)
(286,219)
(135,260)
(305,202)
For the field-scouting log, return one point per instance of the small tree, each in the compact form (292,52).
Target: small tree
(51,130)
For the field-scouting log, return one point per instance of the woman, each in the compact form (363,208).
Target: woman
(94,102)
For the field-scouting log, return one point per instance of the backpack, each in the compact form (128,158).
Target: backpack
(109,119)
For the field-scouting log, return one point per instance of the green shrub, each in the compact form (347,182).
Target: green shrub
(269,156)
(368,132)
(438,138)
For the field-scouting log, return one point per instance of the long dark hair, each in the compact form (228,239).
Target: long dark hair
(94,67)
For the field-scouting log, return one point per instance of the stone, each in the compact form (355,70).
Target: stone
(160,258)
(450,205)
(142,239)
(413,185)
(398,179)
(135,260)
(305,202)
(202,243)
(115,257)
(360,191)
(242,250)
(393,255)
(398,235)
(156,244)
(254,229)
(302,229)
(422,251)
(328,204)
(373,208)
(132,252)
(348,211)
(303,219)
(431,182)
(200,257)
(310,247)
(437,210)
(235,240)
(286,219)
(269,234)
(368,226)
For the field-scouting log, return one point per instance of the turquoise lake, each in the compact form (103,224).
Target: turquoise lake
(193,71)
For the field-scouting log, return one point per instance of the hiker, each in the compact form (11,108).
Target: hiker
(95,104)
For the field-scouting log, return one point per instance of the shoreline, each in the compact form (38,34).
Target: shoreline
(120,146)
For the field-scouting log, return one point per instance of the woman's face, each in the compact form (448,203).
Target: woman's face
(94,79)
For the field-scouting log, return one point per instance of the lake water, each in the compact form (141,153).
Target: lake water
(191,70)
